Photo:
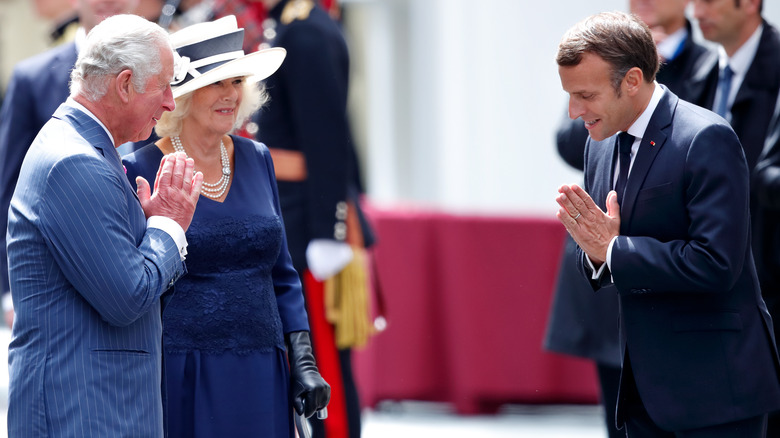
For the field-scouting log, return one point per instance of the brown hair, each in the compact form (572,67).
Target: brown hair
(620,39)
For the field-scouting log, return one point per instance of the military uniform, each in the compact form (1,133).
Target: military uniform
(306,127)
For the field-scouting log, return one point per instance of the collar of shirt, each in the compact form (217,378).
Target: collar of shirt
(81,107)
(740,62)
(669,48)
(639,127)
(640,124)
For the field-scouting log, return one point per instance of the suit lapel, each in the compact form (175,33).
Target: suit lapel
(701,87)
(759,78)
(652,142)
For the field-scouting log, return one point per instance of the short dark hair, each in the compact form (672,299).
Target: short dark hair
(620,39)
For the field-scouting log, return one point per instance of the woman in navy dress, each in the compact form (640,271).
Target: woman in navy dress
(238,314)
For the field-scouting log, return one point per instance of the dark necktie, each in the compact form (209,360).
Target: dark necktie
(724,85)
(625,141)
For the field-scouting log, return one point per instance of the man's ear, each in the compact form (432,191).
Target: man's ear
(633,80)
(124,85)
(751,5)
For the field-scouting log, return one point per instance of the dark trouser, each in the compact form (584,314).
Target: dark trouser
(609,380)
(351,399)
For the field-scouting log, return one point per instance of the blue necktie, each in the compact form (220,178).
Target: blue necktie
(724,85)
(625,141)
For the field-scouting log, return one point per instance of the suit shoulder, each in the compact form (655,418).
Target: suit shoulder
(38,64)
(692,113)
(773,34)
(694,122)
(58,142)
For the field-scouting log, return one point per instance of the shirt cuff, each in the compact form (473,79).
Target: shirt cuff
(609,253)
(173,229)
(608,262)
(596,273)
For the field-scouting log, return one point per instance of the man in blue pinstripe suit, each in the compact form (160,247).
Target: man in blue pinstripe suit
(89,258)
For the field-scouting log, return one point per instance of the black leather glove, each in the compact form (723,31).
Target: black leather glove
(310,391)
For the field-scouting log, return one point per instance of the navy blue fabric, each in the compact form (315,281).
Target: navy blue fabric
(223,332)
(37,87)
(690,305)
(86,277)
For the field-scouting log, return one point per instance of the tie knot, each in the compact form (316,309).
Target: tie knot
(726,73)
(625,141)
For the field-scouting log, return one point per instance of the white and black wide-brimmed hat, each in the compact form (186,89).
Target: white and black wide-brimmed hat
(212,51)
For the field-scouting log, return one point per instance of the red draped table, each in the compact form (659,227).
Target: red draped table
(467,300)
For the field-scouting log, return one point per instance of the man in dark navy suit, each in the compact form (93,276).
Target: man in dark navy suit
(37,87)
(664,218)
(580,323)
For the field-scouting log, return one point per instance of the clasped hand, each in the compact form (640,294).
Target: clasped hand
(590,227)
(176,190)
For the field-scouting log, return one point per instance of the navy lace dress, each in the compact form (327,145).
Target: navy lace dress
(223,329)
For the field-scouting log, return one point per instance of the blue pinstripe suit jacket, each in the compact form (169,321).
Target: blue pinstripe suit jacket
(86,278)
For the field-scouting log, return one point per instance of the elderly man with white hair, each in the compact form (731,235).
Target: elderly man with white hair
(88,262)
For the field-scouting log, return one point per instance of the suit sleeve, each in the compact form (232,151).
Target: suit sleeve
(287,283)
(17,131)
(711,255)
(84,217)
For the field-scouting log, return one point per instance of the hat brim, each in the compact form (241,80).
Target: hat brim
(255,67)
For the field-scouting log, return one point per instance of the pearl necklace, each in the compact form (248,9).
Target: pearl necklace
(217,189)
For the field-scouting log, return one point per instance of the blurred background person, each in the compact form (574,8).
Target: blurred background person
(62,16)
(306,127)
(241,301)
(150,9)
(37,87)
(741,82)
(582,323)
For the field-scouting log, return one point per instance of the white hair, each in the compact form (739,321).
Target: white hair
(120,42)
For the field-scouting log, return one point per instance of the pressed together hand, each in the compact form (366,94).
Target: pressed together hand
(176,190)
(590,227)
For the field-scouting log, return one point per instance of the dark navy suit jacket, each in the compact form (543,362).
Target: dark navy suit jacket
(86,277)
(37,87)
(692,318)
(580,323)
